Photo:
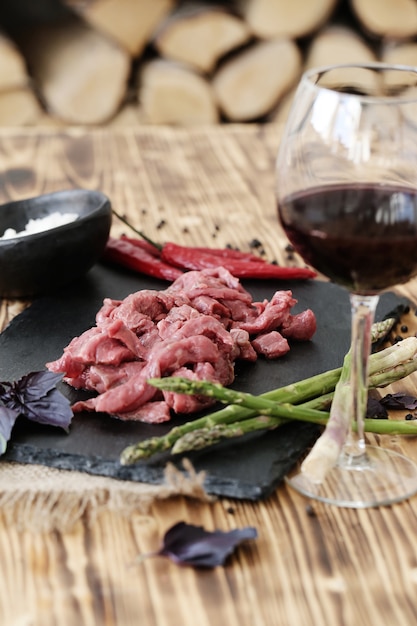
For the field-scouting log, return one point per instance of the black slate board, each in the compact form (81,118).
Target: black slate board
(250,468)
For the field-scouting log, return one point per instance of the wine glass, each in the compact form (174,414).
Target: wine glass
(346,188)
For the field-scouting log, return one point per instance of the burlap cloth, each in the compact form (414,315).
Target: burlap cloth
(39,498)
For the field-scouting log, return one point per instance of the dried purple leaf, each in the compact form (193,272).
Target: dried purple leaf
(375,409)
(399,400)
(379,407)
(186,544)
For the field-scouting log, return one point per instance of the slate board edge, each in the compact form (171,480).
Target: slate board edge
(216,485)
(223,487)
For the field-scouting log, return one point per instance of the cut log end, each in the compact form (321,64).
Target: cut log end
(251,84)
(395,19)
(13,71)
(19,107)
(200,36)
(286,18)
(130,23)
(337,44)
(173,94)
(81,75)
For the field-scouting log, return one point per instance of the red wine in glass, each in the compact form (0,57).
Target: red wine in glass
(363,237)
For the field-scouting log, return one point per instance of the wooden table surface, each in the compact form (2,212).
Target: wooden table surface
(311,564)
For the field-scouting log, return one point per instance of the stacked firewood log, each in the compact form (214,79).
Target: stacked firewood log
(183,63)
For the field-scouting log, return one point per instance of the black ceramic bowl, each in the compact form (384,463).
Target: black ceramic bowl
(39,263)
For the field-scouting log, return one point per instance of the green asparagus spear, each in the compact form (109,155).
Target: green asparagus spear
(259,404)
(205,437)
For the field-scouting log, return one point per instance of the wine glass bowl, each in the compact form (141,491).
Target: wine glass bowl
(346,188)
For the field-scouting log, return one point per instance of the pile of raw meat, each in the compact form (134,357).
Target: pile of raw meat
(196,328)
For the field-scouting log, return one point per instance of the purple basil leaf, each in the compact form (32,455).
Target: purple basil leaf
(6,393)
(400,401)
(36,384)
(7,420)
(186,544)
(36,397)
(376,409)
(53,409)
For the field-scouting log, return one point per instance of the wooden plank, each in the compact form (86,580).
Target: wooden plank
(312,564)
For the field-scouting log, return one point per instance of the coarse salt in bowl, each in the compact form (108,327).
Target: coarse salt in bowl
(49,241)
(39,224)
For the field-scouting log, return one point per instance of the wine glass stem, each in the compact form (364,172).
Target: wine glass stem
(363,315)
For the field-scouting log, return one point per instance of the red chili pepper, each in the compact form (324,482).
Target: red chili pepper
(224,253)
(196,259)
(145,245)
(227,253)
(136,258)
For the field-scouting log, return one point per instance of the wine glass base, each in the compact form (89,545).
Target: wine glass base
(385,477)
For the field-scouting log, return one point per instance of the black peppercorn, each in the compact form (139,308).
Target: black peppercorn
(310,511)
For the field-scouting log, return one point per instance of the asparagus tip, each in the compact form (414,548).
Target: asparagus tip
(135,453)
